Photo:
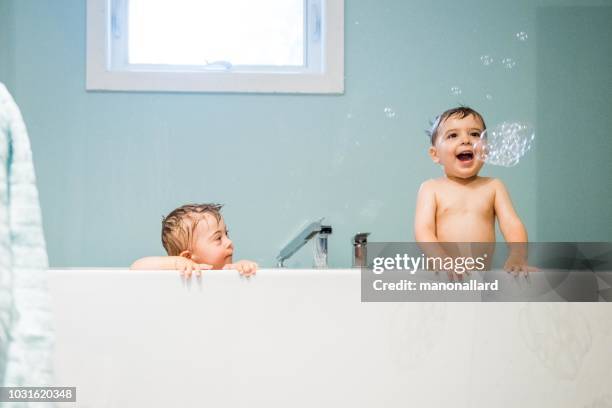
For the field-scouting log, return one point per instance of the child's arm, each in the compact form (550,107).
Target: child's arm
(425,225)
(513,230)
(425,231)
(509,222)
(425,214)
(178,263)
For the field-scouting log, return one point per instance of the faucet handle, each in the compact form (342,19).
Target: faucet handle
(360,238)
(360,244)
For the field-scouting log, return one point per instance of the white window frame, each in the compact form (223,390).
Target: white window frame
(106,72)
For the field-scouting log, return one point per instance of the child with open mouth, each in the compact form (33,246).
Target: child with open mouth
(462,206)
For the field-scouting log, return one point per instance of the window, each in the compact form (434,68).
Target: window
(289,46)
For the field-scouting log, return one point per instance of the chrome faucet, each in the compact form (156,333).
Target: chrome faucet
(320,248)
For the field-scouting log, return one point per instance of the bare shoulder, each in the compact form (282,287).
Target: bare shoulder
(496,183)
(429,186)
(491,182)
(499,189)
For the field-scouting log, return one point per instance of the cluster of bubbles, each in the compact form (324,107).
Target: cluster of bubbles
(509,63)
(486,60)
(522,36)
(455,90)
(505,144)
(390,113)
(506,62)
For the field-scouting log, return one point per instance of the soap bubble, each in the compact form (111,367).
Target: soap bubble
(505,144)
(522,36)
(349,116)
(456,90)
(489,96)
(390,113)
(509,63)
(486,60)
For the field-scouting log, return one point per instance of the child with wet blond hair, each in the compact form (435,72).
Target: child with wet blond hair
(196,238)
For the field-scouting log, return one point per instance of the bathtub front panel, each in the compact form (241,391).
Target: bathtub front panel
(302,338)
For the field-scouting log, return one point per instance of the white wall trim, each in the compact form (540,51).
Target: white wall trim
(100,77)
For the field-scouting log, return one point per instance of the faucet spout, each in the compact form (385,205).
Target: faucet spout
(312,229)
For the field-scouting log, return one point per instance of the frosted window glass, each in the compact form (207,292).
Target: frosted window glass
(199,32)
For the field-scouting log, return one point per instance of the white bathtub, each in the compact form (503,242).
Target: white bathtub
(302,338)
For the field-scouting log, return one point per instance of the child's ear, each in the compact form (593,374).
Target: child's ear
(433,153)
(186,254)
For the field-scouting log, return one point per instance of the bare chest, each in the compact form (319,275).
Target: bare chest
(465,202)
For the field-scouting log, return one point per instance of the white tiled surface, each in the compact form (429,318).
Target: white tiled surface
(291,338)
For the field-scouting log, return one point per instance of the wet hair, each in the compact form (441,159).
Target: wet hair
(178,226)
(460,112)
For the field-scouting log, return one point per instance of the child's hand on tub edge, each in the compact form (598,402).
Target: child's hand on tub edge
(186,266)
(244,267)
(517,264)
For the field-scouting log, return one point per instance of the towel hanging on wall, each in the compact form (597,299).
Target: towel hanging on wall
(26,336)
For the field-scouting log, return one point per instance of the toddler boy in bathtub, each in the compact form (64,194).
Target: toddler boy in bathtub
(196,238)
(462,206)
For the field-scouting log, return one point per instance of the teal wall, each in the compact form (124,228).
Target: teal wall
(574,164)
(7,30)
(109,165)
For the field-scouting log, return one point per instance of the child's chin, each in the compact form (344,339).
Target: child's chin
(468,172)
(464,174)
